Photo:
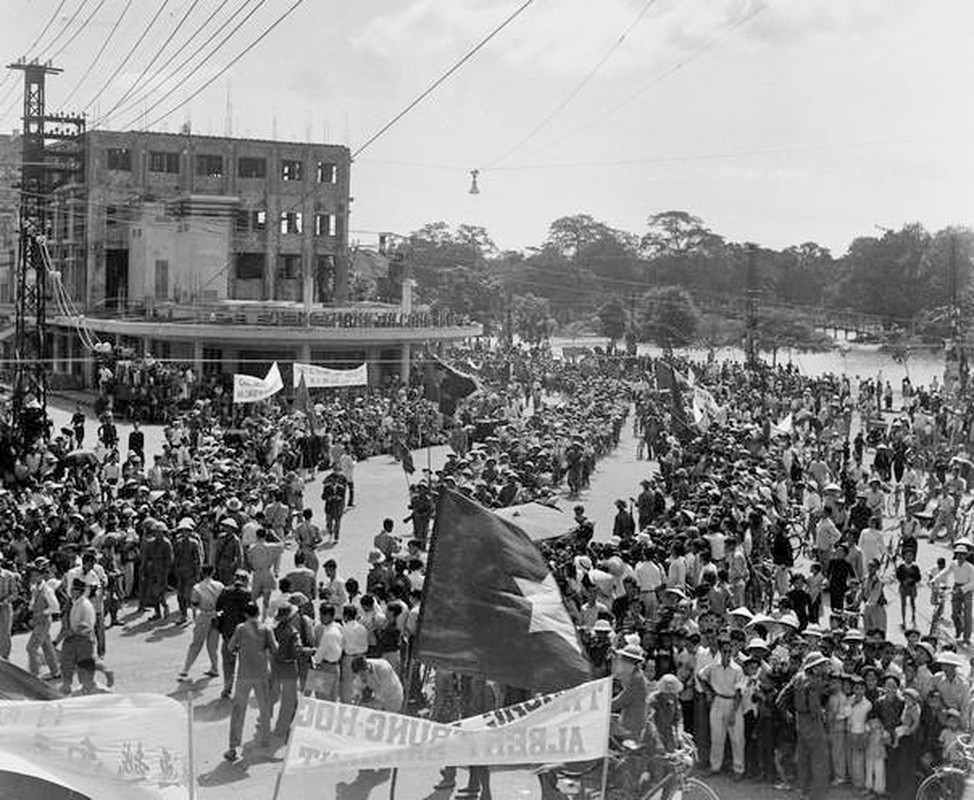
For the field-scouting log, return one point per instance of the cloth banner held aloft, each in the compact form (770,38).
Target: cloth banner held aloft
(325,378)
(250,389)
(110,747)
(572,725)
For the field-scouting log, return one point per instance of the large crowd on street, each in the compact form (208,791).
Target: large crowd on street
(743,592)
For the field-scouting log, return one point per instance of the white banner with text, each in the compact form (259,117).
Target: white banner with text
(567,726)
(250,389)
(325,378)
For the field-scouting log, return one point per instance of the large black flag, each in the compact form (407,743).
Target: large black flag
(491,605)
(447,386)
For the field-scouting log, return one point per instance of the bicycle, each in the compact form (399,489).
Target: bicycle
(949,779)
(629,779)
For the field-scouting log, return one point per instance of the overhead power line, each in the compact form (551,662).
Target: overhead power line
(698,53)
(147,92)
(101,50)
(41,56)
(10,75)
(213,51)
(433,86)
(578,88)
(78,32)
(177,71)
(128,55)
(153,60)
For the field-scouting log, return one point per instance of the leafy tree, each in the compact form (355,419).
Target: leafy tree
(670,317)
(612,321)
(570,235)
(678,233)
(532,318)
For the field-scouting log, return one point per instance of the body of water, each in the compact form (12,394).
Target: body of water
(855,360)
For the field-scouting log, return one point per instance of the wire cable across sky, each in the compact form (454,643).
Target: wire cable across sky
(443,78)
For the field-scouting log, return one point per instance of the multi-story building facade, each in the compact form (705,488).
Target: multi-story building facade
(221,252)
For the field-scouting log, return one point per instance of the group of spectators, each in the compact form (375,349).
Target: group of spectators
(742,595)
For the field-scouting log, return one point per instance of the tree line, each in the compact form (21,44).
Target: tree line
(663,284)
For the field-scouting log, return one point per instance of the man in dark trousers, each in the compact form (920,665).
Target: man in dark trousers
(231,610)
(78,425)
(805,697)
(137,441)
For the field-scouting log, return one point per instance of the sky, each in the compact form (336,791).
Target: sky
(775,121)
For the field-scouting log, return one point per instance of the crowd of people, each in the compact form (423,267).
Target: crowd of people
(743,594)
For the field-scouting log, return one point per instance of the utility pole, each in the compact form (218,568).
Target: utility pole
(42,170)
(751,308)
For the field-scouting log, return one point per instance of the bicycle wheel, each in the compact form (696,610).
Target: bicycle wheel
(944,785)
(689,789)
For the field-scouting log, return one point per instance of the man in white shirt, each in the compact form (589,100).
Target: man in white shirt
(205,632)
(333,588)
(962,571)
(43,607)
(78,649)
(649,576)
(327,657)
(355,642)
(94,577)
(871,542)
(346,465)
(724,681)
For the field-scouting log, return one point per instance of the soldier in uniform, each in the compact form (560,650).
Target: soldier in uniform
(187,564)
(805,698)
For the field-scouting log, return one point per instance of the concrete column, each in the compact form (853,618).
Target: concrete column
(55,352)
(304,352)
(407,296)
(373,358)
(146,345)
(198,358)
(404,362)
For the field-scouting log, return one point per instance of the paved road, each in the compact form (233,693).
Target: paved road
(147,656)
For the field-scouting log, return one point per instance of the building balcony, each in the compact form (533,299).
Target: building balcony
(282,321)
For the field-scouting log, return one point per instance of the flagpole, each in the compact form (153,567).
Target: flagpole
(287,756)
(191,757)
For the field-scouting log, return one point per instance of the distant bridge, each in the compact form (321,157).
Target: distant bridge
(835,321)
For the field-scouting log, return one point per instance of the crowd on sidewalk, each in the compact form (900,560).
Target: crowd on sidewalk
(742,595)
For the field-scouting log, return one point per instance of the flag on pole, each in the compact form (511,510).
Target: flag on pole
(303,403)
(491,605)
(407,462)
(447,386)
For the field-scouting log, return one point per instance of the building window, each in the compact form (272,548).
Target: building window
(250,266)
(327,172)
(160,161)
(291,222)
(120,158)
(162,279)
(291,170)
(258,220)
(325,275)
(211,166)
(241,220)
(289,267)
(325,224)
(251,167)
(111,216)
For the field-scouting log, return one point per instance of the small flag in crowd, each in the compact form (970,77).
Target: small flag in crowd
(407,462)
(447,386)
(303,403)
(491,605)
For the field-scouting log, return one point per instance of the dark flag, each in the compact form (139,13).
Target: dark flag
(407,462)
(491,605)
(302,402)
(669,380)
(447,386)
